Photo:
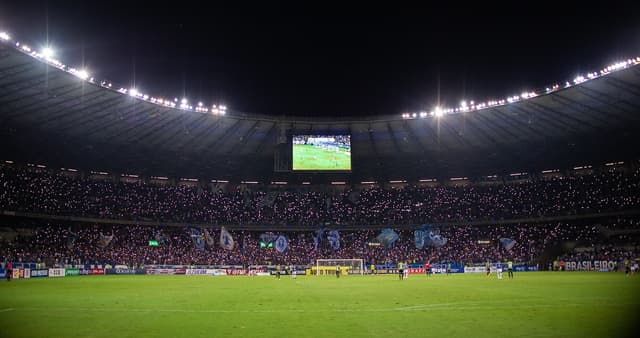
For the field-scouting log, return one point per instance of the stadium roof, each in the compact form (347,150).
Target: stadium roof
(63,119)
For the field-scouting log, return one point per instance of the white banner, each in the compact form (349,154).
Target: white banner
(218,272)
(202,272)
(56,272)
(475,269)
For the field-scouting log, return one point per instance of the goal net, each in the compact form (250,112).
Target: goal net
(347,266)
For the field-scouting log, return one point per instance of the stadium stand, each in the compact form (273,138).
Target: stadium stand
(584,200)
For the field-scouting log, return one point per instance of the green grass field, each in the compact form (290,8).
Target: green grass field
(543,304)
(308,157)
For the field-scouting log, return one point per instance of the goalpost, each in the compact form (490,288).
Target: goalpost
(347,266)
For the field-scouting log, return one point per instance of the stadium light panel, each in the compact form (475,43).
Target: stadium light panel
(133,92)
(438,112)
(5,36)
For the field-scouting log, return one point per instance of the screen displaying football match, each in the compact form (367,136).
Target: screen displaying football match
(322,152)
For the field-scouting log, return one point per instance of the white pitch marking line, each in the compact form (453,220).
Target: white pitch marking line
(425,307)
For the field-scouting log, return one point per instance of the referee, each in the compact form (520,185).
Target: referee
(9,271)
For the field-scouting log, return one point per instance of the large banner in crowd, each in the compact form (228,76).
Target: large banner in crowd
(387,237)
(428,236)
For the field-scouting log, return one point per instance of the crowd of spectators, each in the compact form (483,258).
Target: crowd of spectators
(36,190)
(58,244)
(41,191)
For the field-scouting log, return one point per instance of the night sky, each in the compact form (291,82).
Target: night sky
(328,61)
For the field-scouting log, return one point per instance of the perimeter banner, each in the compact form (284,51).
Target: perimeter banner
(124,272)
(95,271)
(154,271)
(57,272)
(602,266)
(39,273)
(72,272)
(442,268)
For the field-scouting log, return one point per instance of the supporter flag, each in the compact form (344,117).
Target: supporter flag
(429,236)
(208,238)
(387,237)
(507,243)
(268,200)
(226,240)
(105,239)
(159,237)
(247,199)
(419,236)
(268,237)
(244,243)
(318,235)
(353,197)
(71,239)
(281,243)
(197,238)
(334,239)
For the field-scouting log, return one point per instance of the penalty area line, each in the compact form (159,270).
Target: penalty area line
(6,310)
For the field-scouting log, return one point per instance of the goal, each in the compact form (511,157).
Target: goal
(352,266)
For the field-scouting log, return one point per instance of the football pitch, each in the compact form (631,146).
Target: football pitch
(308,157)
(540,304)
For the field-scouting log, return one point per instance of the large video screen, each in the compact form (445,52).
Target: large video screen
(322,152)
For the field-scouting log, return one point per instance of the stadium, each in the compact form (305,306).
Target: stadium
(133,214)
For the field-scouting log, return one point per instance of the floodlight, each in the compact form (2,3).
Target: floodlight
(48,52)
(83,74)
